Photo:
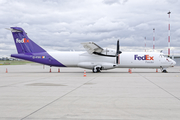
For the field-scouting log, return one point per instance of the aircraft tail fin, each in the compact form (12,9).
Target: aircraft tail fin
(23,43)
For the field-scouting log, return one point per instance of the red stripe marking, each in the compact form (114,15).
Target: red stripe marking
(168,51)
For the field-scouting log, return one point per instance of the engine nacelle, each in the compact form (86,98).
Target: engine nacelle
(91,65)
(108,51)
(87,65)
(106,66)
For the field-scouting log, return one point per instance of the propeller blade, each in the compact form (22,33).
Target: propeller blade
(117,52)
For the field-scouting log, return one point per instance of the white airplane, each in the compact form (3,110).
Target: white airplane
(95,57)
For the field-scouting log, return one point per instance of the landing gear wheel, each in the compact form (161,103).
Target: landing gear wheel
(164,71)
(98,69)
(94,70)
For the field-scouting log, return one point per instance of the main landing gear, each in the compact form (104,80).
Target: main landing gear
(97,69)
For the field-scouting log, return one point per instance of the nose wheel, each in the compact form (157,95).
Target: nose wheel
(163,70)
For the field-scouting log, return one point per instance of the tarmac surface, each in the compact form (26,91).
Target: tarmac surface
(29,92)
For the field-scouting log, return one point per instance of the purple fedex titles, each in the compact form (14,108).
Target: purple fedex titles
(145,57)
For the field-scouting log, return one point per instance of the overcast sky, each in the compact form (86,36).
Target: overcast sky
(64,24)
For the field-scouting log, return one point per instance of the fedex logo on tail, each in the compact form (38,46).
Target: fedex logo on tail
(24,40)
(145,57)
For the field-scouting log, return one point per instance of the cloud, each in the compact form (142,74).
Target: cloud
(63,25)
(172,1)
(110,2)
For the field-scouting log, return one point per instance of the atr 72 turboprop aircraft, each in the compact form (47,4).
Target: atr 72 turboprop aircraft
(95,57)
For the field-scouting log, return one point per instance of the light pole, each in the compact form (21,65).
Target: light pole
(169,35)
(153,39)
(145,43)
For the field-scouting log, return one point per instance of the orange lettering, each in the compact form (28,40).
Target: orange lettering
(152,58)
(147,57)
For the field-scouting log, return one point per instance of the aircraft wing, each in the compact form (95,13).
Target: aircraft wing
(91,47)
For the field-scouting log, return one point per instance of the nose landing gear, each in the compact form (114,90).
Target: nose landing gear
(163,70)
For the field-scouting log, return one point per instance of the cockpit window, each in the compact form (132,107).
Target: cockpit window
(167,59)
(161,55)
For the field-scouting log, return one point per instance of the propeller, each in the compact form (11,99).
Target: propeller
(117,52)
